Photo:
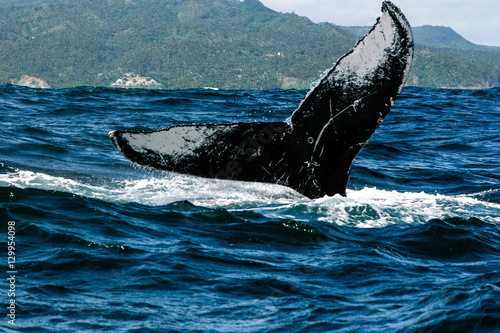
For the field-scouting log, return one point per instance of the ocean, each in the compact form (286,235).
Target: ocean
(94,243)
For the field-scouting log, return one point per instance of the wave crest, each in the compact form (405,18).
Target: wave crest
(366,208)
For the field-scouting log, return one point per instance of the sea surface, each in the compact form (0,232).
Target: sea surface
(103,245)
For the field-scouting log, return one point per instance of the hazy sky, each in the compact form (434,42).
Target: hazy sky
(476,20)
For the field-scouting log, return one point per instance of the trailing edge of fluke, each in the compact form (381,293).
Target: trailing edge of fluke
(313,150)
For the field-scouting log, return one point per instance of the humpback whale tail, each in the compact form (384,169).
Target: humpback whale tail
(313,150)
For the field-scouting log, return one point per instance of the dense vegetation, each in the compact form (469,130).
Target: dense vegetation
(195,43)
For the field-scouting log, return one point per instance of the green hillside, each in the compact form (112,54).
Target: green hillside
(195,43)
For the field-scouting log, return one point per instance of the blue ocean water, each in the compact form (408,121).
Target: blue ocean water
(102,245)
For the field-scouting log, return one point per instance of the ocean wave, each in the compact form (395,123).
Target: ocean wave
(366,208)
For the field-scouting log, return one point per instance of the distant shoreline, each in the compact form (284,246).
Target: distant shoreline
(225,44)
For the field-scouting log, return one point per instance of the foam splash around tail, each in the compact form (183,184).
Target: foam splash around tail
(366,208)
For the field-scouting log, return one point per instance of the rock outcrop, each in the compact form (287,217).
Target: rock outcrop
(137,81)
(33,82)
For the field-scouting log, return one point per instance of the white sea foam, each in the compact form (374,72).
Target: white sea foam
(155,191)
(369,207)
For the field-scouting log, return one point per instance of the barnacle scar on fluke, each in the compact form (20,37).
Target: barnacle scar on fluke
(313,150)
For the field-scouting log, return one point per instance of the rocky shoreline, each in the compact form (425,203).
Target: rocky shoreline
(131,81)
(33,82)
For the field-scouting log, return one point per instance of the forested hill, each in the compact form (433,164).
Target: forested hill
(227,44)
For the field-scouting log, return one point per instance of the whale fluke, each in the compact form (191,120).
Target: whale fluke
(313,150)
